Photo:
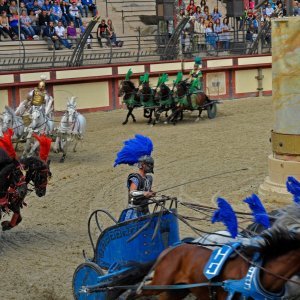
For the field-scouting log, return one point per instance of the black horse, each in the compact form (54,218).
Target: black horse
(37,174)
(183,99)
(166,101)
(148,101)
(13,189)
(131,98)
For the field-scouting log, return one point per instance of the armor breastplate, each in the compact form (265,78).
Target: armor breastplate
(38,98)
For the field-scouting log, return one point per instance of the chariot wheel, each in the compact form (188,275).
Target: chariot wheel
(87,274)
(212,111)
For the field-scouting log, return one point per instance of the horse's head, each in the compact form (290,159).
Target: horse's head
(7,118)
(162,91)
(181,88)
(126,88)
(71,109)
(36,116)
(37,172)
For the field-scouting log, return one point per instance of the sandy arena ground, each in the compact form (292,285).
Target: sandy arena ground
(39,256)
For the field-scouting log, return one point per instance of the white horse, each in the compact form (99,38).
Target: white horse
(40,124)
(10,120)
(71,129)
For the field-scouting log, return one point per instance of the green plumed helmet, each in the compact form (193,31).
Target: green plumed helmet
(198,60)
(162,79)
(128,74)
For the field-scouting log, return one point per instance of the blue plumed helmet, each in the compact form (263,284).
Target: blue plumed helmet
(136,150)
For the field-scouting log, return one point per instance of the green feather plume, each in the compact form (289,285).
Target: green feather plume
(144,78)
(178,78)
(195,83)
(129,73)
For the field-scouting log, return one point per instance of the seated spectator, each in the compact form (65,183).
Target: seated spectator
(72,34)
(74,15)
(14,24)
(5,29)
(56,13)
(80,7)
(34,22)
(88,4)
(4,7)
(36,8)
(82,30)
(111,33)
(62,35)
(181,15)
(102,32)
(64,6)
(50,36)
(296,9)
(13,9)
(44,20)
(191,6)
(23,7)
(26,25)
(47,6)
(269,10)
(208,20)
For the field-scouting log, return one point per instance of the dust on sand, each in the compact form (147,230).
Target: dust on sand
(39,256)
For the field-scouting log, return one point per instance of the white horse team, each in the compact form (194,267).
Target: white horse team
(71,129)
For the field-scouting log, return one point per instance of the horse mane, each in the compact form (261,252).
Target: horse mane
(5,171)
(130,83)
(10,110)
(33,163)
(282,239)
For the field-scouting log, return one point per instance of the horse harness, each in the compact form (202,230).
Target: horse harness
(249,287)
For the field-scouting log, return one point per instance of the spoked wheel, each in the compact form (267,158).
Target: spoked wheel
(87,274)
(212,111)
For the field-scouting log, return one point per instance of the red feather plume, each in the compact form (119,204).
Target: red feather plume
(45,144)
(6,143)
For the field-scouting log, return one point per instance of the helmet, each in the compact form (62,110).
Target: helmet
(42,85)
(148,162)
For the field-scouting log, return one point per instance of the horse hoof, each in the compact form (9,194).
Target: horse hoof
(134,120)
(197,120)
(166,122)
(6,225)
(62,160)
(124,123)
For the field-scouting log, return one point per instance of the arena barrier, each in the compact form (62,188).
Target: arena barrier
(97,86)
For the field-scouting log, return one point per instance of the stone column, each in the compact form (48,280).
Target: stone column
(285,136)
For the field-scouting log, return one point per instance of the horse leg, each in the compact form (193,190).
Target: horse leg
(150,116)
(128,114)
(75,144)
(157,116)
(199,115)
(64,148)
(15,220)
(132,116)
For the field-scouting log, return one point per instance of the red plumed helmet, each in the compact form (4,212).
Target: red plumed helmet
(45,144)
(6,143)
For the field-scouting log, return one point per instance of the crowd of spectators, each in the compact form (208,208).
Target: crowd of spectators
(59,22)
(206,30)
(210,30)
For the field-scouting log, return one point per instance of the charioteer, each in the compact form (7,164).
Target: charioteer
(139,184)
(37,97)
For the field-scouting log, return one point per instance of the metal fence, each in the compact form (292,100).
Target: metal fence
(19,55)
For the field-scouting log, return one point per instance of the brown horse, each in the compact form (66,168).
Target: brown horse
(185,263)
(184,101)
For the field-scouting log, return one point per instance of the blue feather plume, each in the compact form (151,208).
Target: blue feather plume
(226,215)
(293,186)
(258,211)
(133,149)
